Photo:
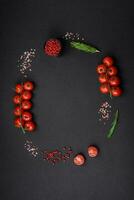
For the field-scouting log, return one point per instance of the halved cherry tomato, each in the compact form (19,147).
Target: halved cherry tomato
(18,122)
(114,81)
(17,99)
(79,159)
(26,116)
(26,95)
(112,71)
(116,91)
(93,151)
(19,88)
(30,126)
(26,105)
(18,111)
(104,88)
(108,61)
(103,78)
(28,86)
(101,69)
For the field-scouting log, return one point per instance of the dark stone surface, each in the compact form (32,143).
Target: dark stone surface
(66,100)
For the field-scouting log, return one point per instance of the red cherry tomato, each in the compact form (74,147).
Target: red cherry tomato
(28,86)
(103,78)
(26,105)
(112,71)
(18,111)
(19,88)
(101,69)
(30,126)
(26,116)
(79,159)
(104,88)
(114,81)
(116,91)
(108,61)
(26,95)
(18,122)
(17,99)
(93,151)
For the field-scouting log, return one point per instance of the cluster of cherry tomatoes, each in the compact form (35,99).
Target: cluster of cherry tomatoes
(22,101)
(110,81)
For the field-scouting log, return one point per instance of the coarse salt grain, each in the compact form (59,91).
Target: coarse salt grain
(34,150)
(25,62)
(73,36)
(104,112)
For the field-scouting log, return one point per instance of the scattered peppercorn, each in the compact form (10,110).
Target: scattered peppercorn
(56,155)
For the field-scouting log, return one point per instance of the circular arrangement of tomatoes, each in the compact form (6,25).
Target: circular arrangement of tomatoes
(23,105)
(108,77)
(109,84)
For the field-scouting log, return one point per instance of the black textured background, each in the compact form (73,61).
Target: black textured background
(66,100)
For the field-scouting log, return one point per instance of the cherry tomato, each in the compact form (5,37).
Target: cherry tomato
(17,99)
(18,111)
(26,105)
(112,71)
(28,86)
(18,122)
(108,61)
(79,159)
(26,116)
(19,88)
(103,78)
(116,91)
(93,151)
(30,126)
(114,81)
(104,88)
(26,95)
(101,69)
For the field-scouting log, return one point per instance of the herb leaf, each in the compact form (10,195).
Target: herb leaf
(84,47)
(114,125)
